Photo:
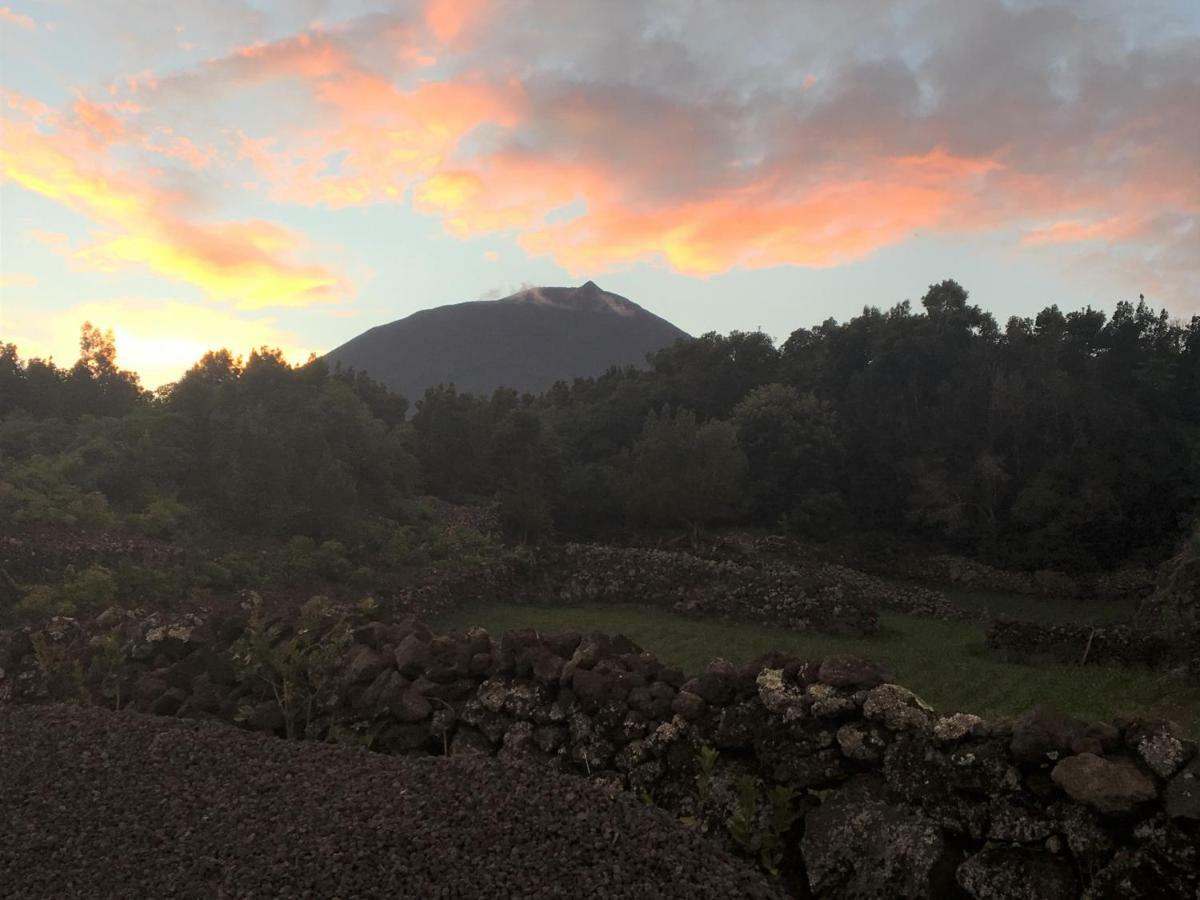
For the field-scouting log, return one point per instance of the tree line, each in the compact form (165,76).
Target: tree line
(1065,440)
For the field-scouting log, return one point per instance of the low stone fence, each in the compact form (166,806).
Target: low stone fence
(1130,583)
(819,596)
(693,585)
(843,783)
(31,550)
(1120,644)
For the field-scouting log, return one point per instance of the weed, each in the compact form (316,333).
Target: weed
(60,666)
(763,835)
(297,669)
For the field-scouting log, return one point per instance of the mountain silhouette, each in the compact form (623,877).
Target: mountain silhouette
(526,341)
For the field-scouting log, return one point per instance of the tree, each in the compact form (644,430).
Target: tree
(682,473)
(1178,600)
(792,446)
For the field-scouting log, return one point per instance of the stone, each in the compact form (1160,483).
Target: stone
(1003,873)
(779,696)
(1042,735)
(469,742)
(1109,786)
(148,689)
(562,643)
(169,702)
(411,706)
(518,744)
(549,738)
(492,694)
(716,685)
(547,667)
(1158,747)
(1182,797)
(365,666)
(591,650)
(846,671)
(590,686)
(266,717)
(737,725)
(861,742)
(826,702)
(897,708)
(206,696)
(956,727)
(688,705)
(1165,867)
(1099,738)
(857,846)
(412,656)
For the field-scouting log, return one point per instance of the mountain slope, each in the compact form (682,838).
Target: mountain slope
(527,341)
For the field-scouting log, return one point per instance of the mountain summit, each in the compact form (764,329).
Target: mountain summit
(526,341)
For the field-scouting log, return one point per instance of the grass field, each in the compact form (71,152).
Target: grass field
(946,663)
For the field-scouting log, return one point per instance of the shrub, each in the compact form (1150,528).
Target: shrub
(164,517)
(331,561)
(92,589)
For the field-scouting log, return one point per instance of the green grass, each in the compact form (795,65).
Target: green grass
(946,663)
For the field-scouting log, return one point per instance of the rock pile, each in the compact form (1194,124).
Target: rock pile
(820,597)
(1120,644)
(946,569)
(103,805)
(824,770)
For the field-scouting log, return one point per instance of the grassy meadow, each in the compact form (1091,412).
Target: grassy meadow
(946,663)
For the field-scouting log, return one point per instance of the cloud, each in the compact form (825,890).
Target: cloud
(157,338)
(17,280)
(252,264)
(8,17)
(681,135)
(793,133)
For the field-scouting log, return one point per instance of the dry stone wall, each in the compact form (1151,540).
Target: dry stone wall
(844,783)
(816,596)
(1119,644)
(956,570)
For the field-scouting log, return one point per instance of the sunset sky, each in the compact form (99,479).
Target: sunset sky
(212,173)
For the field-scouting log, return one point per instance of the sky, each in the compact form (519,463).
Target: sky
(209,173)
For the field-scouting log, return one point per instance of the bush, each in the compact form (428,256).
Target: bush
(94,588)
(42,602)
(139,584)
(331,561)
(164,517)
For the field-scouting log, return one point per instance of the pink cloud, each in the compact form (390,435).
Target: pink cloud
(18,19)
(250,263)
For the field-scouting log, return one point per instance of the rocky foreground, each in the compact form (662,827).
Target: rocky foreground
(841,782)
(101,804)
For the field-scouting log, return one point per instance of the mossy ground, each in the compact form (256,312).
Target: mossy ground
(946,663)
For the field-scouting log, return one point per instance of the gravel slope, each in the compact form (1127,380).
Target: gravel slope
(97,804)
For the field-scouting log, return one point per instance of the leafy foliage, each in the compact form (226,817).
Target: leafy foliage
(1063,441)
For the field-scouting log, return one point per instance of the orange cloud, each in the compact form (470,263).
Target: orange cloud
(1076,230)
(158,339)
(825,221)
(448,19)
(252,264)
(18,19)
(368,138)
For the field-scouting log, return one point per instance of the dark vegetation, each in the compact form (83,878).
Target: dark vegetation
(1066,441)
(1069,441)
(1058,454)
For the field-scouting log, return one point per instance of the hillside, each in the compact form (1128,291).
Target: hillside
(526,341)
